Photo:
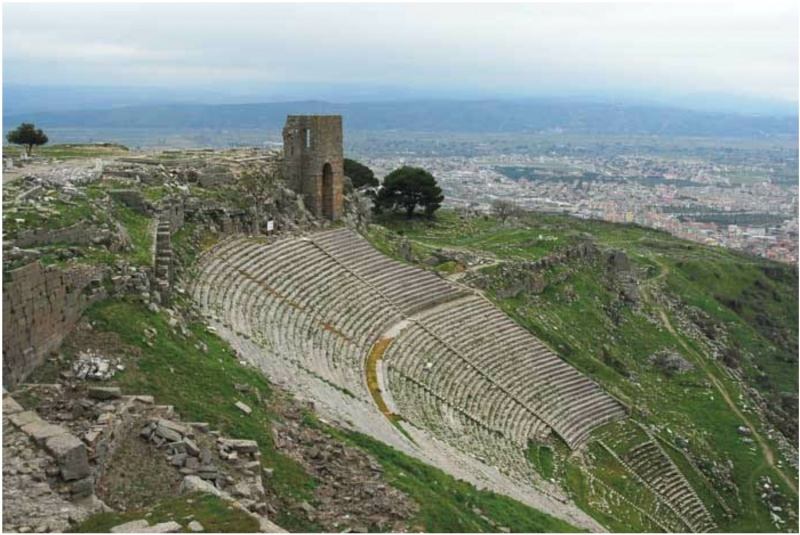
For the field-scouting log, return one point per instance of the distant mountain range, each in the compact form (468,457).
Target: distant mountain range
(475,116)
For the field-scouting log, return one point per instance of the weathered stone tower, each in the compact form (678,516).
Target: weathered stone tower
(313,161)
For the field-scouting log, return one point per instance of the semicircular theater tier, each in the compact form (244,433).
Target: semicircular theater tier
(323,301)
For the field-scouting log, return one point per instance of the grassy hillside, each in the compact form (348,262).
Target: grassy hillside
(731,319)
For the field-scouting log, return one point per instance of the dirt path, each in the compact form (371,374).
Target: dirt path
(457,276)
(769,455)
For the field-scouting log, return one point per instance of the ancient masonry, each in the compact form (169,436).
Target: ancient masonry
(314,161)
(41,305)
(517,389)
(168,222)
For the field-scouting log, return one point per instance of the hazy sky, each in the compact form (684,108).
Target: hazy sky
(742,49)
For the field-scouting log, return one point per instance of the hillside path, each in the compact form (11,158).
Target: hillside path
(769,455)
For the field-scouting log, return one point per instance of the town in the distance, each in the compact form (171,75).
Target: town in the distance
(732,194)
(739,193)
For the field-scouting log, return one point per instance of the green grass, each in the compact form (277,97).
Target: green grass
(476,234)
(448,505)
(215,514)
(139,229)
(541,457)
(201,387)
(61,214)
(72,151)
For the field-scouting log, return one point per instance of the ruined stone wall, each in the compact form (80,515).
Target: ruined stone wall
(170,219)
(133,199)
(40,306)
(314,161)
(81,233)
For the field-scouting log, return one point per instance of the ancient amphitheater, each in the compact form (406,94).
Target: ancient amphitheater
(423,364)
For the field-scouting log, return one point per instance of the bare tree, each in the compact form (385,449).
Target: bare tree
(504,209)
(258,184)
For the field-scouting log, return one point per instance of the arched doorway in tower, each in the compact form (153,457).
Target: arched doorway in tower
(327,191)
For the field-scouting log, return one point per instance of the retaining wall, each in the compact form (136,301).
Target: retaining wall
(40,307)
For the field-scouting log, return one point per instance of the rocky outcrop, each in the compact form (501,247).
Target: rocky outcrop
(670,362)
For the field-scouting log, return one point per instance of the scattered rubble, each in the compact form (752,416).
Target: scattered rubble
(239,473)
(92,365)
(46,486)
(351,491)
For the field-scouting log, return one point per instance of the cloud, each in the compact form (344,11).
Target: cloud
(739,48)
(38,45)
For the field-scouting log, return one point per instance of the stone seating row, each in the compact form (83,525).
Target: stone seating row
(292,298)
(474,357)
(410,288)
(421,407)
(654,467)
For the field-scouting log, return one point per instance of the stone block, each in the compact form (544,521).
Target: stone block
(182,429)
(243,407)
(240,445)
(192,483)
(82,487)
(10,406)
(104,392)
(24,418)
(71,455)
(41,430)
(168,434)
(191,447)
(163,527)
(134,526)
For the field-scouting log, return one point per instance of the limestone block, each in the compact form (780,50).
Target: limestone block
(71,455)
(191,447)
(243,407)
(239,444)
(134,526)
(41,430)
(193,483)
(167,433)
(23,418)
(164,527)
(175,426)
(104,392)
(10,406)
(82,487)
